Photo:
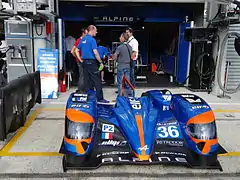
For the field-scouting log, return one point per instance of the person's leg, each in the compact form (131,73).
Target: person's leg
(127,74)
(95,76)
(132,73)
(120,74)
(80,77)
(86,76)
(102,76)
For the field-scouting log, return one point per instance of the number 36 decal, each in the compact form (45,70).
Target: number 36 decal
(168,132)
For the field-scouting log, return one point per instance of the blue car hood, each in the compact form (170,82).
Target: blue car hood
(137,118)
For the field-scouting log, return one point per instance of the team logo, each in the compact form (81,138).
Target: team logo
(107,131)
(143,148)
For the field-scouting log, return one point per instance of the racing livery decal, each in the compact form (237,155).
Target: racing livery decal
(107,131)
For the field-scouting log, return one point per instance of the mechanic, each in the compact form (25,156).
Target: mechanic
(70,63)
(79,64)
(103,53)
(123,57)
(84,31)
(134,44)
(90,56)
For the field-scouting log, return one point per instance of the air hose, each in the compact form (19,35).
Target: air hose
(220,61)
(210,71)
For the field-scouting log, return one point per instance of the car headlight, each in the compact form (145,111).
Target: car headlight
(79,130)
(202,131)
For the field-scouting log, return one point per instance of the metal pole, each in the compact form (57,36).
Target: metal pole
(1,6)
(226,81)
(60,43)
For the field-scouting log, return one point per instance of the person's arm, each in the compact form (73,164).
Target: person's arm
(74,47)
(95,51)
(134,49)
(115,55)
(77,52)
(73,51)
(78,55)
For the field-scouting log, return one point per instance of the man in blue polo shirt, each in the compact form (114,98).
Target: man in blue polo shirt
(103,53)
(89,58)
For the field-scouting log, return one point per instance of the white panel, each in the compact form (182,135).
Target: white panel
(234,69)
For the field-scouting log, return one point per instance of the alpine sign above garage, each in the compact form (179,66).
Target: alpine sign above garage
(115,19)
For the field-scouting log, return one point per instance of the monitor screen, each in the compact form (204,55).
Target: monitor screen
(18,29)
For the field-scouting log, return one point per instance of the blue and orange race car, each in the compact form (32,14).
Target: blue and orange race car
(156,128)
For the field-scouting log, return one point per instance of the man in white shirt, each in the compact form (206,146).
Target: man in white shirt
(69,60)
(134,44)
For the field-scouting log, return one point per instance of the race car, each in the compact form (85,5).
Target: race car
(157,128)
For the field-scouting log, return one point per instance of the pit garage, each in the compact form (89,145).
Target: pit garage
(164,55)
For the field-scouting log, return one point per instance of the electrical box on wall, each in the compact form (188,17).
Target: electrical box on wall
(19,39)
(199,34)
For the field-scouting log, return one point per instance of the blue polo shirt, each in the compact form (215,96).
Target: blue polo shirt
(103,51)
(87,45)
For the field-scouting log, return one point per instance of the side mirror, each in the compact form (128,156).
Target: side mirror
(237,45)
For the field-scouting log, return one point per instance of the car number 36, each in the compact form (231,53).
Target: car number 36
(169,131)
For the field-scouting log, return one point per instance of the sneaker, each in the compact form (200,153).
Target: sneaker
(103,101)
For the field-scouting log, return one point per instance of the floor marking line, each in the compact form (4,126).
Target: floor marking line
(230,154)
(38,154)
(59,154)
(20,131)
(216,110)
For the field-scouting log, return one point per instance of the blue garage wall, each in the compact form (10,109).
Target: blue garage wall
(76,11)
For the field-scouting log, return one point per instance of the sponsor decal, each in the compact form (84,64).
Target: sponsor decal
(79,99)
(113,143)
(201,107)
(194,100)
(169,122)
(107,131)
(187,96)
(167,97)
(136,104)
(80,95)
(112,153)
(80,106)
(171,153)
(166,108)
(170,143)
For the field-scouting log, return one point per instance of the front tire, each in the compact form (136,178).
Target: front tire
(64,164)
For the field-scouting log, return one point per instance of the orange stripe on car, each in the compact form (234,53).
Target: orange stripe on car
(78,143)
(203,118)
(79,116)
(208,143)
(140,132)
